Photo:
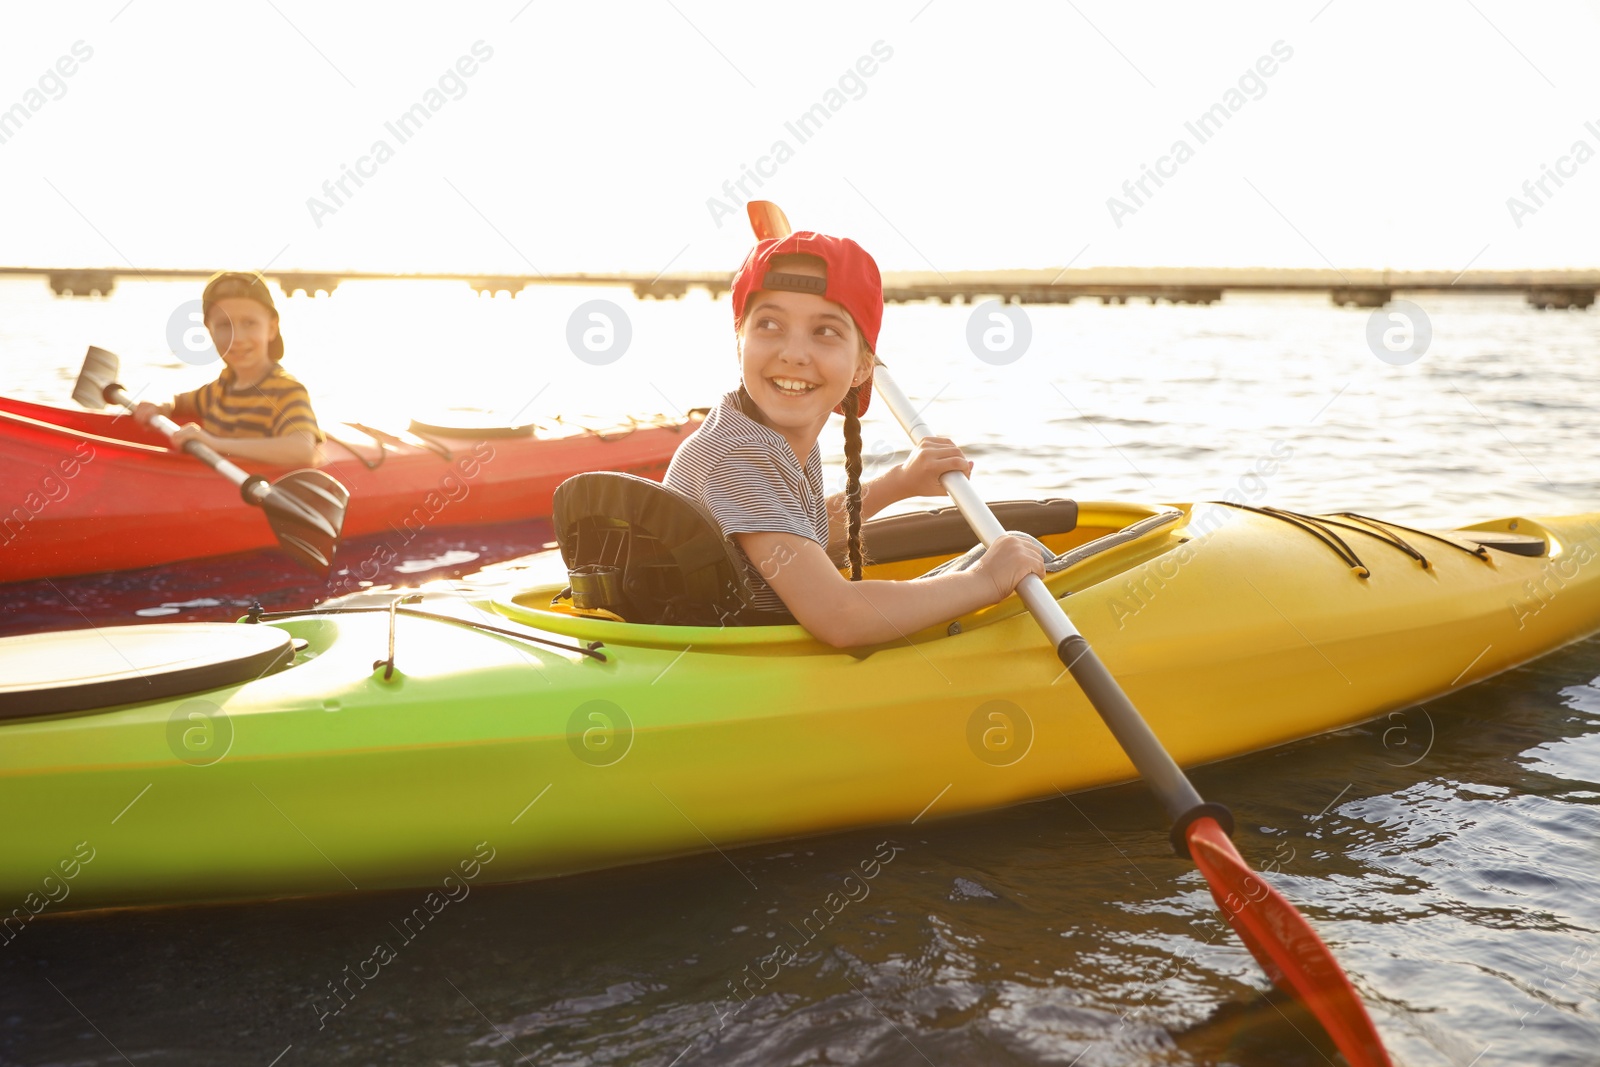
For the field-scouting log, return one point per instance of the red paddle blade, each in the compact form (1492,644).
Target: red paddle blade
(1281,940)
(767,219)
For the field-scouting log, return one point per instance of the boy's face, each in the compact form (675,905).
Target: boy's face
(242,329)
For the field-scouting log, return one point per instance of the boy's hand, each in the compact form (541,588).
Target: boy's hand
(144,411)
(919,475)
(191,432)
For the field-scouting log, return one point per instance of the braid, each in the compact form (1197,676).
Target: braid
(852,466)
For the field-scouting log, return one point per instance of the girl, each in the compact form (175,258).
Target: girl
(806,311)
(254,410)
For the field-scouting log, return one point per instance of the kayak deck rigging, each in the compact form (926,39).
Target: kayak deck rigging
(394,608)
(1318,526)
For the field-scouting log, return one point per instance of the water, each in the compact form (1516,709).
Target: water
(1448,853)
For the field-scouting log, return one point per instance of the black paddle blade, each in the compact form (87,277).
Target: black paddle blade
(306,509)
(100,369)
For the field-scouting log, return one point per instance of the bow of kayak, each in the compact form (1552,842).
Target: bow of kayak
(393,745)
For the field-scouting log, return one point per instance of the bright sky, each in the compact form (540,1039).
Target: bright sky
(957,135)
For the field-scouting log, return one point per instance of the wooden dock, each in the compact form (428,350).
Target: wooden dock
(1545,289)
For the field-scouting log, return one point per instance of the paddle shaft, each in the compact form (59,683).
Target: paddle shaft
(256,490)
(1149,758)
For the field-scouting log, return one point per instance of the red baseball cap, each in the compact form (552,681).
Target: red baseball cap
(851,280)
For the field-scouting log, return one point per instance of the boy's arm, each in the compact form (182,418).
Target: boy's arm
(298,448)
(144,411)
(181,408)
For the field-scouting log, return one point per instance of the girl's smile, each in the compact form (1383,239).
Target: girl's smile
(793,386)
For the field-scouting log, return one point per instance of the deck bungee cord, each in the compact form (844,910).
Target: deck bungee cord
(1318,527)
(1384,526)
(394,608)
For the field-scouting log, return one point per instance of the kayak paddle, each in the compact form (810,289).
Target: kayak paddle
(1276,934)
(305,508)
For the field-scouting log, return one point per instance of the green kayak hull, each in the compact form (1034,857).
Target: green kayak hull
(491,757)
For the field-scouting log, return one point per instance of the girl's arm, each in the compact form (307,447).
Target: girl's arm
(917,476)
(297,448)
(844,614)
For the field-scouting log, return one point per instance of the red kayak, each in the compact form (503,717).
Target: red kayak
(82,492)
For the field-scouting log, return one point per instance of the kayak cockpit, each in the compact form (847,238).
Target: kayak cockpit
(632,568)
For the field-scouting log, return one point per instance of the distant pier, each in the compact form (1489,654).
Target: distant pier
(1544,289)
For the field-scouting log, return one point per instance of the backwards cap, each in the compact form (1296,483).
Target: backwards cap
(248,285)
(852,281)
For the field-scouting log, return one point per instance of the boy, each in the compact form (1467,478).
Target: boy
(254,410)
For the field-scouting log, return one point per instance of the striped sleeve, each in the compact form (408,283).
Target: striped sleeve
(186,406)
(292,412)
(751,490)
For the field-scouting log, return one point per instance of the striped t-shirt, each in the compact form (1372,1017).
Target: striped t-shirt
(277,405)
(747,476)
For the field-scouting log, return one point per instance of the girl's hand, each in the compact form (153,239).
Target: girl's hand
(919,475)
(191,432)
(1011,557)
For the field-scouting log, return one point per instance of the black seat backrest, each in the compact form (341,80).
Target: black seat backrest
(661,555)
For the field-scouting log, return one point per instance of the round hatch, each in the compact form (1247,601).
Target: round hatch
(82,670)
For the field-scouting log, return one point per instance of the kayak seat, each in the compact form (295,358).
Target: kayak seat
(89,670)
(649,554)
